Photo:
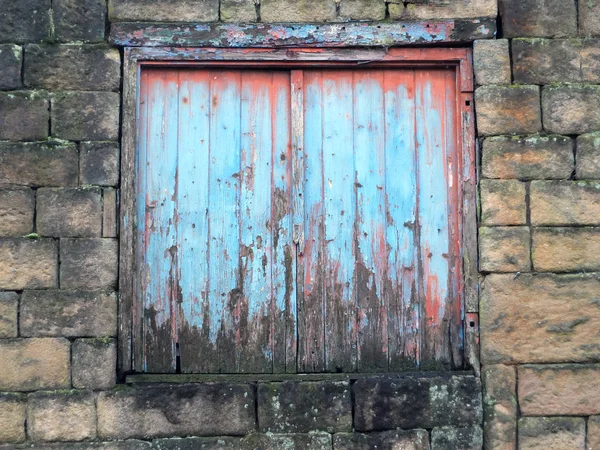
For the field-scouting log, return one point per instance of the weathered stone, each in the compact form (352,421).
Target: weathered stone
(545,61)
(399,439)
(11,60)
(504,249)
(243,11)
(539,318)
(164,11)
(588,156)
(298,11)
(362,9)
(130,444)
(9,306)
(566,249)
(99,163)
(94,363)
(571,109)
(38,164)
(500,407)
(16,211)
(200,409)
(534,157)
(508,110)
(538,18)
(448,438)
(590,60)
(593,436)
(23,115)
(439,9)
(109,216)
(25,21)
(88,263)
(386,403)
(565,202)
(28,264)
(300,407)
(83,116)
(552,433)
(502,202)
(72,67)
(312,441)
(589,18)
(68,314)
(69,416)
(79,20)
(491,62)
(30,364)
(69,212)
(13,408)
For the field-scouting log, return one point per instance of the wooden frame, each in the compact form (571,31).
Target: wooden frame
(138,57)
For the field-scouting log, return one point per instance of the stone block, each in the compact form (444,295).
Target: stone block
(9,308)
(94,363)
(571,109)
(23,115)
(99,163)
(298,11)
(500,407)
(110,214)
(546,61)
(539,18)
(25,21)
(79,20)
(130,444)
(82,116)
(48,163)
(539,318)
(399,439)
(491,62)
(588,156)
(593,435)
(69,212)
(589,18)
(508,110)
(440,9)
(565,202)
(200,409)
(88,263)
(13,409)
(254,441)
(160,11)
(68,313)
(240,11)
(16,211)
(552,433)
(527,158)
(300,407)
(63,416)
(566,249)
(386,403)
(590,60)
(11,60)
(31,364)
(449,438)
(502,202)
(72,67)
(362,9)
(504,249)
(28,264)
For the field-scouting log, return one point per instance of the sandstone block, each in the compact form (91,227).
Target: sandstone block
(504,249)
(508,110)
(589,18)
(160,11)
(69,212)
(539,18)
(9,306)
(94,363)
(99,163)
(405,440)
(565,202)
(551,433)
(130,444)
(590,60)
(362,10)
(88,263)
(13,408)
(72,67)
(25,21)
(546,61)
(572,109)
(566,249)
(500,407)
(67,416)
(28,263)
(79,20)
(448,438)
(502,202)
(243,11)
(110,215)
(491,62)
(30,364)
(23,115)
(11,59)
(588,156)
(200,409)
(16,211)
(430,10)
(313,441)
(300,11)
(593,436)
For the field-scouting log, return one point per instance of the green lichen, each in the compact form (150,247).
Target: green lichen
(32,236)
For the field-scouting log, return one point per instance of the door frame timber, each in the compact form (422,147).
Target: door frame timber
(137,58)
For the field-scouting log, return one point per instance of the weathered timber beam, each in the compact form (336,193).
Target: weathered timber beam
(361,34)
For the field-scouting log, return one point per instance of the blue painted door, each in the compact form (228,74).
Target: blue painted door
(374,282)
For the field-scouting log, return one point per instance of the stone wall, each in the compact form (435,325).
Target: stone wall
(538,122)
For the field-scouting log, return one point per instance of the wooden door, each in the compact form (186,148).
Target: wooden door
(375,283)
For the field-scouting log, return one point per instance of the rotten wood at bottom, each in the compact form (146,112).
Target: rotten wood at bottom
(367,34)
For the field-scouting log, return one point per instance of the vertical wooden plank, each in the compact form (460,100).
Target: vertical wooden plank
(339,208)
(225,295)
(401,201)
(370,246)
(198,351)
(160,281)
(311,349)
